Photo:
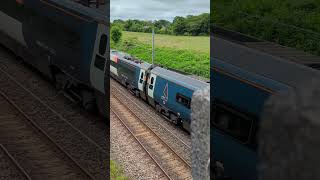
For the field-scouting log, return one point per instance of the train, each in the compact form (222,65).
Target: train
(65,41)
(243,79)
(169,92)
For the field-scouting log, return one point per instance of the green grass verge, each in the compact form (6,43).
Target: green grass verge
(116,172)
(174,52)
(292,23)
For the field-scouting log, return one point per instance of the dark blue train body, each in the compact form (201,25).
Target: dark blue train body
(126,70)
(172,94)
(243,79)
(169,92)
(64,40)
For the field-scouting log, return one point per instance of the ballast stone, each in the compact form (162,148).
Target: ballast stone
(200,134)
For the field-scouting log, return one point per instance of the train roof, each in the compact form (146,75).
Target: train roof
(184,80)
(288,53)
(79,9)
(261,63)
(129,59)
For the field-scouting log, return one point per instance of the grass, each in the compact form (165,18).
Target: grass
(184,53)
(116,172)
(292,23)
(194,43)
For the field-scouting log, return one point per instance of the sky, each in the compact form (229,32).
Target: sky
(156,9)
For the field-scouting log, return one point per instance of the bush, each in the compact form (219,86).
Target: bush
(116,34)
(129,43)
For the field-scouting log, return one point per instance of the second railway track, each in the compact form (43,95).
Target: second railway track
(32,151)
(10,168)
(81,148)
(170,162)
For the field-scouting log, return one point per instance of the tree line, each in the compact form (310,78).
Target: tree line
(190,25)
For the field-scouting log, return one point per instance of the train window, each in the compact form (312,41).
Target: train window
(232,122)
(185,101)
(99,62)
(141,77)
(103,44)
(151,83)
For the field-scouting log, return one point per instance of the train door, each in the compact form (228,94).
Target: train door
(150,88)
(99,59)
(142,84)
(99,71)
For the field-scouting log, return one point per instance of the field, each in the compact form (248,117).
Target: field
(292,23)
(194,43)
(190,54)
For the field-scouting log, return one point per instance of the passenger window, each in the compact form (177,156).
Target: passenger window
(103,44)
(232,122)
(185,101)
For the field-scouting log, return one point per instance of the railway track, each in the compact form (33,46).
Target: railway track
(169,161)
(81,148)
(187,145)
(37,156)
(10,168)
(91,124)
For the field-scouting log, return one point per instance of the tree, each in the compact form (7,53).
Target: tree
(190,25)
(116,34)
(179,25)
(127,25)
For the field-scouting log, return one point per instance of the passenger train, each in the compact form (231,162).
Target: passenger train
(243,79)
(169,92)
(65,41)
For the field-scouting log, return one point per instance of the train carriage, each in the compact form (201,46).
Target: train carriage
(243,80)
(123,70)
(129,72)
(171,93)
(65,41)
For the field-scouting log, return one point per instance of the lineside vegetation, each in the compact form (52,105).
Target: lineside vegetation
(292,23)
(188,54)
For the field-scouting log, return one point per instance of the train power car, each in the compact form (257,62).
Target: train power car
(128,71)
(65,41)
(169,92)
(243,80)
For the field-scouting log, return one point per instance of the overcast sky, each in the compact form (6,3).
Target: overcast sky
(156,9)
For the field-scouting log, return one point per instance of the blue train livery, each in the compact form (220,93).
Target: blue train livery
(243,79)
(169,92)
(65,41)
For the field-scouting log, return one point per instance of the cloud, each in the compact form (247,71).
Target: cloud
(156,9)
